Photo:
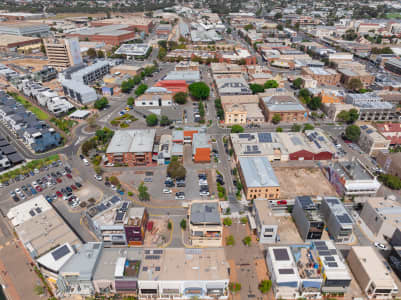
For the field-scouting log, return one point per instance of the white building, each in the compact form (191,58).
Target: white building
(266,223)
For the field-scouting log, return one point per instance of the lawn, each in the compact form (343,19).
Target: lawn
(393,16)
(40,114)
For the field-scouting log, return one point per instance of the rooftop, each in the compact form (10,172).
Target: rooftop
(353,170)
(7,39)
(56,258)
(339,211)
(258,172)
(139,140)
(205,213)
(264,212)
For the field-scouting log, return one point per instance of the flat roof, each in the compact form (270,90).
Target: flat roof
(56,258)
(205,213)
(258,172)
(353,170)
(338,210)
(7,39)
(138,140)
(264,212)
(27,210)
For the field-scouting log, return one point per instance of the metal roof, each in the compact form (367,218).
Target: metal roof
(258,172)
(140,140)
(205,213)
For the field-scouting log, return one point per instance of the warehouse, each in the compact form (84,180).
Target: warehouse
(9,42)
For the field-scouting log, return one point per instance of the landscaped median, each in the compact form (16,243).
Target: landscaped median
(29,166)
(40,114)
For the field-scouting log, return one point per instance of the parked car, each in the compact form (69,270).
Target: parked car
(98,177)
(78,185)
(166,191)
(86,162)
(380,246)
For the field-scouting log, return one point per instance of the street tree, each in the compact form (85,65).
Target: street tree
(141,89)
(256,88)
(265,286)
(101,103)
(297,83)
(199,90)
(276,118)
(175,169)
(271,84)
(151,120)
(237,129)
(180,97)
(352,133)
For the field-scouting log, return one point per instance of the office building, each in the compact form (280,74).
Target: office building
(155,96)
(371,107)
(132,147)
(258,178)
(266,223)
(371,141)
(39,227)
(133,51)
(288,108)
(338,221)
(63,53)
(109,34)
(382,216)
(307,218)
(371,274)
(205,226)
(352,178)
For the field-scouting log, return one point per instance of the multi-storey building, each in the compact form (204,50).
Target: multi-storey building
(63,53)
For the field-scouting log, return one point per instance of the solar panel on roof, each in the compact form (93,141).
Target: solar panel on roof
(286,271)
(317,144)
(332,264)
(329,258)
(153,257)
(333,201)
(243,135)
(157,251)
(124,206)
(145,269)
(265,137)
(147,251)
(324,253)
(60,252)
(320,243)
(157,269)
(345,218)
(281,254)
(38,210)
(120,216)
(32,213)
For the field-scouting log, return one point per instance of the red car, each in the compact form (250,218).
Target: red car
(69,175)
(59,180)
(38,188)
(73,187)
(282,202)
(59,194)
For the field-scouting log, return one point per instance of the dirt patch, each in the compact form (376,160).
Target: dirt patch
(288,232)
(89,191)
(36,64)
(159,233)
(303,181)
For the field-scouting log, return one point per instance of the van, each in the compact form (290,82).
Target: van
(86,162)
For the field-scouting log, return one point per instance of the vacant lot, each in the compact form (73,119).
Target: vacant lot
(303,181)
(36,64)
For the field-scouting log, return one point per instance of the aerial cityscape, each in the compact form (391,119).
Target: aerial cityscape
(200,149)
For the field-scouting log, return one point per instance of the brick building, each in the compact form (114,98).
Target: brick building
(324,76)
(287,107)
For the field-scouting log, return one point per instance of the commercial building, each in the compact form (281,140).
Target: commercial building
(63,53)
(242,109)
(287,107)
(371,274)
(293,273)
(133,51)
(324,76)
(39,227)
(11,43)
(174,86)
(266,223)
(24,29)
(338,221)
(115,223)
(332,266)
(381,216)
(110,34)
(391,131)
(52,262)
(188,76)
(79,92)
(390,162)
(393,65)
(205,226)
(163,30)
(371,107)
(371,141)
(21,16)
(131,23)
(226,69)
(201,147)
(352,178)
(283,146)
(347,75)
(155,96)
(132,147)
(307,218)
(235,85)
(258,178)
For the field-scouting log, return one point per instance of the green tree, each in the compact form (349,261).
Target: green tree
(100,54)
(183,224)
(180,98)
(164,121)
(265,286)
(227,221)
(256,88)
(126,86)
(247,240)
(130,101)
(296,128)
(391,181)
(151,120)
(143,192)
(234,287)
(350,35)
(276,118)
(297,83)
(244,220)
(39,290)
(352,133)
(279,129)
(141,89)
(101,103)
(248,27)
(201,108)
(279,27)
(230,240)
(343,116)
(237,129)
(353,115)
(315,103)
(308,126)
(199,90)
(169,225)
(355,84)
(270,84)
(175,169)
(91,53)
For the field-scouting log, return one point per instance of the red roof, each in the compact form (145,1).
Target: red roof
(202,155)
(174,86)
(389,127)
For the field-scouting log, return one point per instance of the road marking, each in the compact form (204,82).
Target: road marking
(78,140)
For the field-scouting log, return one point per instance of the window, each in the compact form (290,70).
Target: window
(269,229)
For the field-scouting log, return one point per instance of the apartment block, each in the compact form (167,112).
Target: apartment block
(63,53)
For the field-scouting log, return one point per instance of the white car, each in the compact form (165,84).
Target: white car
(166,191)
(98,177)
(113,187)
(36,171)
(204,193)
(380,246)
(181,197)
(18,191)
(202,182)
(86,162)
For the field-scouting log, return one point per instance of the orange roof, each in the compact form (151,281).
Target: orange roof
(174,86)
(202,155)
(190,133)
